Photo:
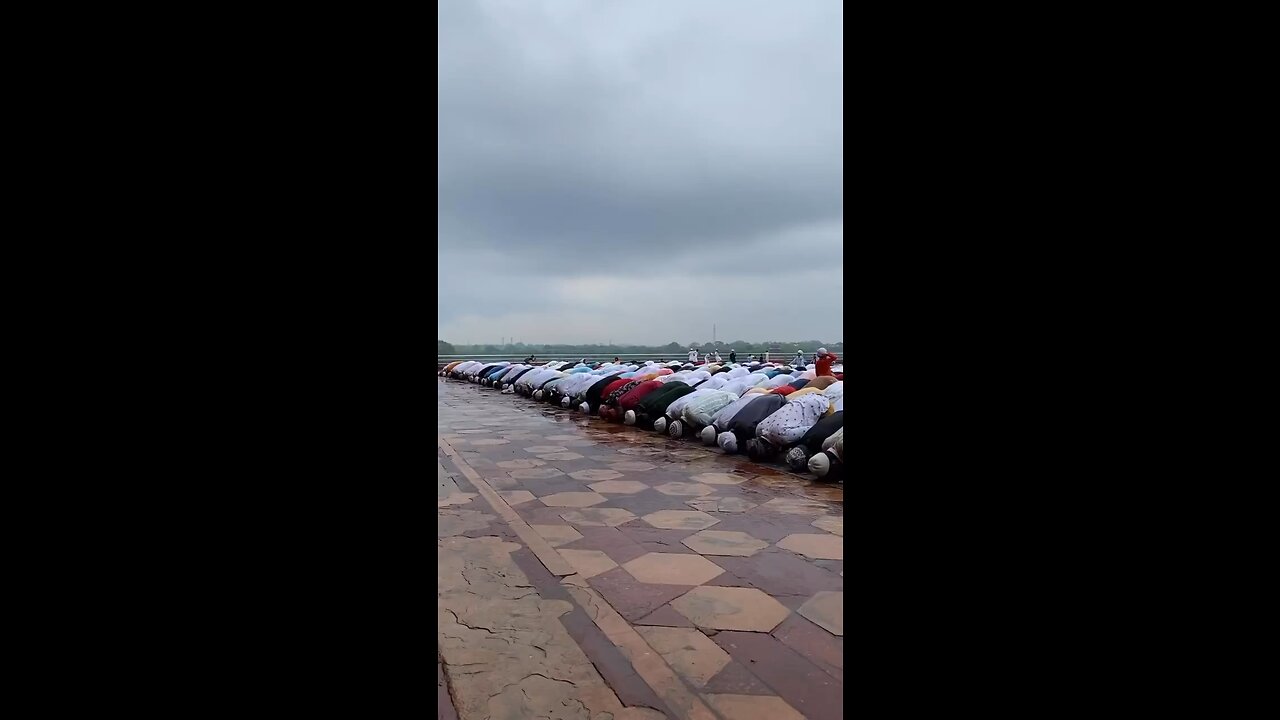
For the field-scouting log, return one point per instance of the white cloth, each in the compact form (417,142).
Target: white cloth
(511,372)
(673,410)
(837,436)
(716,382)
(792,420)
(724,416)
(835,393)
(777,381)
(700,411)
(738,386)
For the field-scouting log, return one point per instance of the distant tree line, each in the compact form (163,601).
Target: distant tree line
(672,349)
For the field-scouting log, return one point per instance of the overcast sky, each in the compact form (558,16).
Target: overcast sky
(637,170)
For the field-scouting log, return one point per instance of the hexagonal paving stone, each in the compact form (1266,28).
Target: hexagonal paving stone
(557,535)
(818,547)
(713,478)
(521,464)
(753,707)
(535,473)
(832,524)
(588,563)
(586,475)
(636,465)
(515,497)
(573,499)
(580,442)
(826,609)
(687,651)
(672,569)
(598,517)
(539,449)
(640,451)
(795,506)
(488,441)
(625,487)
(561,456)
(680,519)
(684,488)
(559,438)
(720,504)
(724,542)
(473,431)
(731,608)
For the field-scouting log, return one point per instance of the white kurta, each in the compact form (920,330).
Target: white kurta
(791,421)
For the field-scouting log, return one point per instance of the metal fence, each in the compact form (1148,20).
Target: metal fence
(442,360)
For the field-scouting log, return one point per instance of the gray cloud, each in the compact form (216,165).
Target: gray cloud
(583,144)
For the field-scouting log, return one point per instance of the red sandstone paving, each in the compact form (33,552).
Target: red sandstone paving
(781,574)
(735,679)
(444,703)
(617,671)
(632,598)
(609,540)
(665,616)
(726,578)
(801,683)
(799,661)
(834,566)
(651,539)
(551,486)
(645,502)
(770,529)
(820,647)
(535,513)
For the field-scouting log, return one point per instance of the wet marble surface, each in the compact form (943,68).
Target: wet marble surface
(730,569)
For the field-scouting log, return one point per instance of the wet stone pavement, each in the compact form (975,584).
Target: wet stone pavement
(592,570)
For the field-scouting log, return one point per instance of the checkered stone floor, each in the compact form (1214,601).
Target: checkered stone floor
(732,572)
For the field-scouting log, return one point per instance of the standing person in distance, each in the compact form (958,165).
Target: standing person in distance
(824,361)
(733,356)
(693,356)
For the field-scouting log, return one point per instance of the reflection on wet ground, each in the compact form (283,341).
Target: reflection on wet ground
(730,570)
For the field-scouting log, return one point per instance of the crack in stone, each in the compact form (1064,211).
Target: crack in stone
(526,677)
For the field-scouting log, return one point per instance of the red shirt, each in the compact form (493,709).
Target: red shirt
(824,364)
(608,389)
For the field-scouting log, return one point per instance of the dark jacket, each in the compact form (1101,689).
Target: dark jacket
(655,404)
(596,390)
(824,428)
(743,425)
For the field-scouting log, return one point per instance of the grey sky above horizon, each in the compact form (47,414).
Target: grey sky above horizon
(638,170)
